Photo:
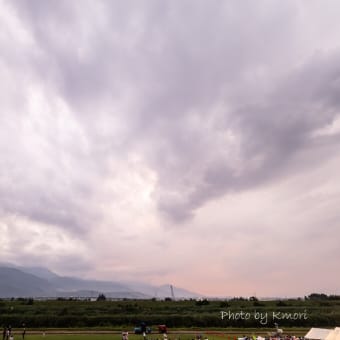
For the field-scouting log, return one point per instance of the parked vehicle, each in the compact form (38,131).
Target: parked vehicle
(142,328)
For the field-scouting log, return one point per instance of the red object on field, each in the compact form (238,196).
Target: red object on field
(162,329)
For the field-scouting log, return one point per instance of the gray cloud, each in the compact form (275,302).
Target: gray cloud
(178,76)
(273,136)
(197,101)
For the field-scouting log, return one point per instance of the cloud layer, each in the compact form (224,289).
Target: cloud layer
(202,136)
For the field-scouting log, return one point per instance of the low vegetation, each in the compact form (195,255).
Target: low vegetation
(320,311)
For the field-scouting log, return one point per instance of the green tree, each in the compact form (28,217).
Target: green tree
(101,297)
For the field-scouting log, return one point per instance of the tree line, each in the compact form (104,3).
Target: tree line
(322,310)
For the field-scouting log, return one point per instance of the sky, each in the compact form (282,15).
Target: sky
(187,142)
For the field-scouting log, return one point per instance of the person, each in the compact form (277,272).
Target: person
(125,335)
(143,329)
(23,331)
(4,333)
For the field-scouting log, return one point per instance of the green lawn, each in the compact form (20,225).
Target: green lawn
(118,337)
(211,335)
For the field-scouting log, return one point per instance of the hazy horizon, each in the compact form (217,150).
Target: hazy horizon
(139,286)
(186,142)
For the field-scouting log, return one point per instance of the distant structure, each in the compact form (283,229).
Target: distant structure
(278,331)
(172,292)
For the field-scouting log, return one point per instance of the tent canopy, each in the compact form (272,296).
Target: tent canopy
(334,334)
(318,334)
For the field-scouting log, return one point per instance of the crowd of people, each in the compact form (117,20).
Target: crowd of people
(286,337)
(7,333)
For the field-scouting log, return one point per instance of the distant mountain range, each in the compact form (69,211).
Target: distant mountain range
(18,281)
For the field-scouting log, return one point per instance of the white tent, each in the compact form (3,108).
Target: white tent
(318,333)
(334,334)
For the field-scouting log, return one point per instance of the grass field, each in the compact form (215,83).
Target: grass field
(119,337)
(226,334)
(172,336)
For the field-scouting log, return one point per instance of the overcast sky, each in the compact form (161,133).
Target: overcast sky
(188,142)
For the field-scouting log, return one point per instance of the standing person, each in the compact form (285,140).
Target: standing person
(23,331)
(7,332)
(4,333)
(10,333)
(143,329)
(125,336)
